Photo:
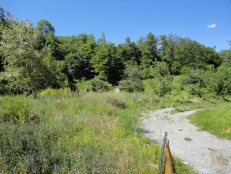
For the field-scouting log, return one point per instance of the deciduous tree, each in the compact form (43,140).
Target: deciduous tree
(23,65)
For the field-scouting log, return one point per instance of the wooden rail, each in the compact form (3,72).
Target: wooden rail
(166,157)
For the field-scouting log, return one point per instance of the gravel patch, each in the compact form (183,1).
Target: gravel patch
(206,153)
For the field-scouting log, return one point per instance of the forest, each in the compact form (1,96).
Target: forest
(33,59)
(58,110)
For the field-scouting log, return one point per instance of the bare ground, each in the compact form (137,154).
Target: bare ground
(206,153)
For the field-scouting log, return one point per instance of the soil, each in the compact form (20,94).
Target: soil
(206,153)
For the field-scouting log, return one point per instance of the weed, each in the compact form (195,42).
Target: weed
(84,133)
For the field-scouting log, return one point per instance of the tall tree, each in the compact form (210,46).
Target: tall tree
(102,39)
(2,14)
(45,27)
(167,49)
(129,52)
(226,56)
(23,65)
(190,54)
(148,48)
(106,64)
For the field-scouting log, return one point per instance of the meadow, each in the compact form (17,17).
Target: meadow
(65,132)
(216,120)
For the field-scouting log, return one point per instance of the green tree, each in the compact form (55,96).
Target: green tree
(132,79)
(77,52)
(2,14)
(149,52)
(161,74)
(148,48)
(23,65)
(102,39)
(45,27)
(223,78)
(129,52)
(106,64)
(191,54)
(167,46)
(226,56)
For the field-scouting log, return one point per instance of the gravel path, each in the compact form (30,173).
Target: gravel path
(204,152)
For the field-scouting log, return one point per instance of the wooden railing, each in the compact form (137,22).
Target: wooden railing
(166,158)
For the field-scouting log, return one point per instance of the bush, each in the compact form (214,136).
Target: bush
(131,85)
(85,134)
(159,86)
(132,80)
(201,83)
(95,85)
(55,92)
(17,111)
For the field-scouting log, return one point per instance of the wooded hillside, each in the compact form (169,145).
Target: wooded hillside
(34,58)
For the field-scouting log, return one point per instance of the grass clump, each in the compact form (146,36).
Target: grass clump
(85,133)
(216,120)
(17,110)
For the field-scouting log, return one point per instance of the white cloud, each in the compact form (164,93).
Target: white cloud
(211,26)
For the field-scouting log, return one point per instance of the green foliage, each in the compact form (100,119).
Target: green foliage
(157,86)
(132,80)
(95,85)
(223,79)
(78,66)
(55,92)
(226,56)
(66,60)
(210,83)
(2,14)
(17,110)
(23,66)
(106,64)
(45,27)
(131,85)
(91,133)
(194,55)
(162,83)
(161,70)
(148,49)
(167,49)
(129,53)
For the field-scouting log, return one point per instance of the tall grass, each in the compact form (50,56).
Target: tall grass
(77,133)
(215,120)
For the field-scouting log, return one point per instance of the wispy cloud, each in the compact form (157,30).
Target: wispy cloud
(211,26)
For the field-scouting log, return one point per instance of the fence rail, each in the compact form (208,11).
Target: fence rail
(166,157)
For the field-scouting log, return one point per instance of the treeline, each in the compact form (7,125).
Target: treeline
(34,58)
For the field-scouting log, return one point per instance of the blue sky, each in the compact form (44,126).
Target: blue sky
(206,21)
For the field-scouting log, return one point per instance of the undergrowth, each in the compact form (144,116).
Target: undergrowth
(77,133)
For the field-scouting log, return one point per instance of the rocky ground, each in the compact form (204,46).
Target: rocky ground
(206,153)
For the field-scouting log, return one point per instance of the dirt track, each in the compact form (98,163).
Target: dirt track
(204,152)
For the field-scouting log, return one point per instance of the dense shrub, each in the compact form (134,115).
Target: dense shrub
(56,92)
(132,80)
(158,86)
(131,85)
(95,85)
(209,83)
(17,111)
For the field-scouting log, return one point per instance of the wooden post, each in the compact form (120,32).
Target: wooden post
(169,167)
(162,154)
